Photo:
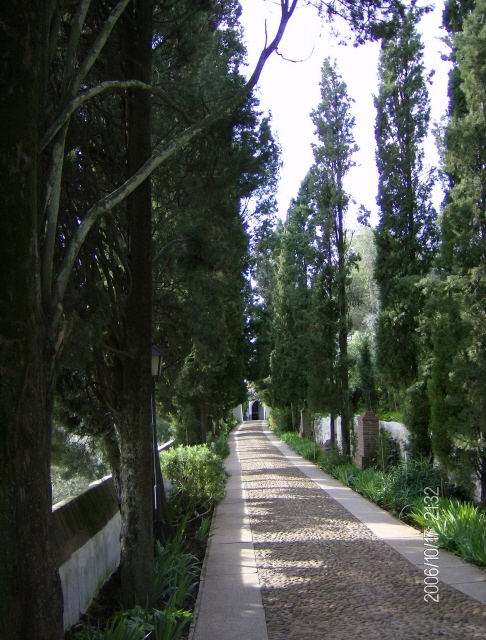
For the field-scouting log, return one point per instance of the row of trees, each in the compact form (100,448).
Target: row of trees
(101,254)
(98,95)
(422,341)
(305,299)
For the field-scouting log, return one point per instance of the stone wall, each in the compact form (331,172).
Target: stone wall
(86,532)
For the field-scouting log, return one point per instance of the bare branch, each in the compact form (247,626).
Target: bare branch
(277,52)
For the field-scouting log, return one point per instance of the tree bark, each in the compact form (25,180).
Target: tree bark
(136,463)
(203,421)
(31,602)
(343,336)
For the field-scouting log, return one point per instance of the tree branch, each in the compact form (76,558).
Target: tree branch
(75,36)
(83,97)
(159,254)
(98,45)
(118,195)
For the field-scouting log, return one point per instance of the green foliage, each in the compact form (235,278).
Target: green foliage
(308,266)
(203,533)
(460,527)
(176,572)
(370,483)
(176,576)
(280,420)
(416,416)
(141,624)
(306,448)
(363,374)
(165,431)
(457,387)
(390,416)
(363,290)
(199,475)
(346,473)
(331,459)
(405,482)
(406,234)
(116,629)
(219,443)
(387,451)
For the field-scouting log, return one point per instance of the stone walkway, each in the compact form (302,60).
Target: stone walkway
(322,573)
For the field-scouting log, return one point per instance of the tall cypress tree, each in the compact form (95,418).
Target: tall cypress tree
(333,159)
(458,329)
(406,234)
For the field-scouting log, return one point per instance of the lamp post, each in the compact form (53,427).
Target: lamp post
(160,506)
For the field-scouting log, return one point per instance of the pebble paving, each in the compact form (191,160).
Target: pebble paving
(325,575)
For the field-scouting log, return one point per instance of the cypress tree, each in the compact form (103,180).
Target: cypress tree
(406,234)
(457,387)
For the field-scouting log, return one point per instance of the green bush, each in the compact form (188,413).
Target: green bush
(306,448)
(140,624)
(176,572)
(219,443)
(388,452)
(280,420)
(370,484)
(460,526)
(406,482)
(331,459)
(346,473)
(199,475)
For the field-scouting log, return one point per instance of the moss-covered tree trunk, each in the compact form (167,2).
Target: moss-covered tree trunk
(31,605)
(136,461)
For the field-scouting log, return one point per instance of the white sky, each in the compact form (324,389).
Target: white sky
(291,90)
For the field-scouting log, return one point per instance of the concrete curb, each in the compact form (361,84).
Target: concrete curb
(229,603)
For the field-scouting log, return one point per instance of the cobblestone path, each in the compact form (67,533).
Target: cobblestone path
(324,575)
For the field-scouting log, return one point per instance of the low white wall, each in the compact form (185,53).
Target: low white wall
(395,429)
(398,431)
(323,429)
(238,413)
(88,568)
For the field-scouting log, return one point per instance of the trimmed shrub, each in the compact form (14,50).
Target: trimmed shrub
(199,475)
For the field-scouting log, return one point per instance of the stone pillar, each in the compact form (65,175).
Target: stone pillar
(368,429)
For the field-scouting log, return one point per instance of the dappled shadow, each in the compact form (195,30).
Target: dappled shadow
(323,573)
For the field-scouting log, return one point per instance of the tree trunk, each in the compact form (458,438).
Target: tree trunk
(136,461)
(302,422)
(332,435)
(343,339)
(31,601)
(293,411)
(203,417)
(482,480)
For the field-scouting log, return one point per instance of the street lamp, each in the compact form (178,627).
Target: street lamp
(157,357)
(159,494)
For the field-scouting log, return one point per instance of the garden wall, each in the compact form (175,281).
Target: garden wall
(395,429)
(86,532)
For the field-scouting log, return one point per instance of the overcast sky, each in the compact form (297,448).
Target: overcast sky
(291,90)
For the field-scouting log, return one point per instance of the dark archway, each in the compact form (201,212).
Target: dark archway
(255,410)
